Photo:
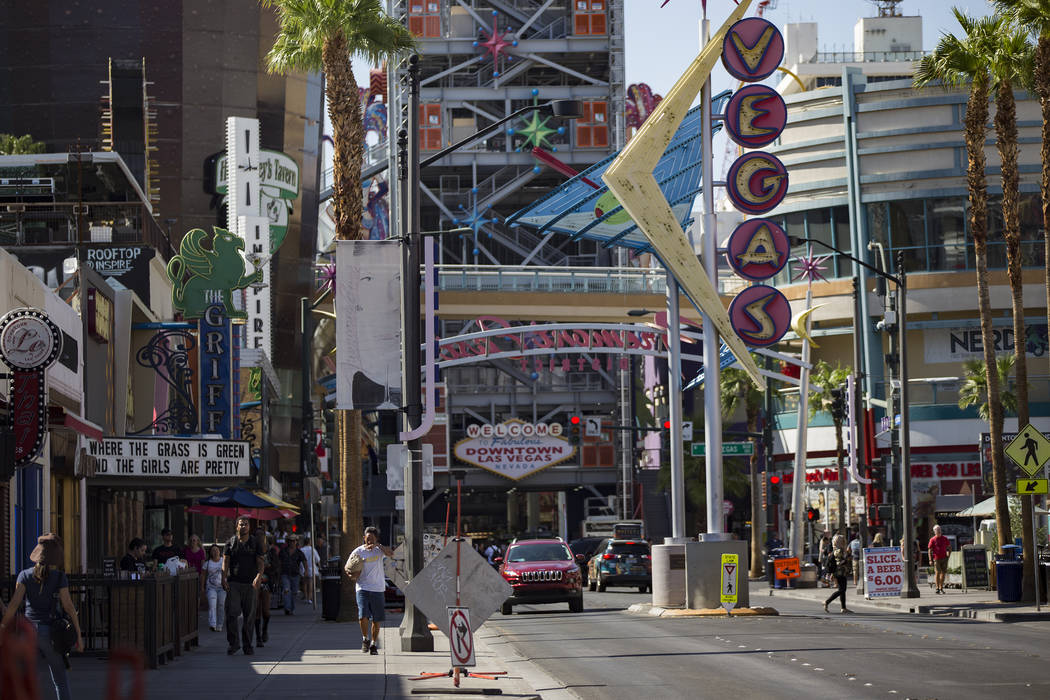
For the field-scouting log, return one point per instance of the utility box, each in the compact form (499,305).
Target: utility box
(703,573)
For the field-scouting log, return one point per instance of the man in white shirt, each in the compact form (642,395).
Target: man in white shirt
(371,588)
(313,562)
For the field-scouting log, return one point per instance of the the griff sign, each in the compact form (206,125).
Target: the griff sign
(757,181)
(29,343)
(218,371)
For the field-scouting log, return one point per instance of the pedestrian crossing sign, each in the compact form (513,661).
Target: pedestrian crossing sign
(730,580)
(1030,450)
(1031,487)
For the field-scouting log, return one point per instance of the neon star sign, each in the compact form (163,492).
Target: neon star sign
(496,44)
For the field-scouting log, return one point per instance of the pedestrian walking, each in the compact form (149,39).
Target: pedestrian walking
(194,553)
(939,546)
(371,587)
(45,589)
(313,562)
(292,564)
(242,568)
(840,564)
(271,577)
(854,551)
(213,588)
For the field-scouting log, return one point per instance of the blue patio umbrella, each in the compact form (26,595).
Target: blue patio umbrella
(245,498)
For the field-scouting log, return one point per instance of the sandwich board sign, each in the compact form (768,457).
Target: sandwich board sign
(730,580)
(460,638)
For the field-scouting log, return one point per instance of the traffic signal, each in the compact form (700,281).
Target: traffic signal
(774,489)
(812,515)
(666,425)
(575,424)
(877,474)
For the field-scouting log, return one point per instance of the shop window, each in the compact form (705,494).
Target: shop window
(424,18)
(592,129)
(430,127)
(588,17)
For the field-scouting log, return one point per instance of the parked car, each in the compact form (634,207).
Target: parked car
(621,563)
(393,597)
(583,549)
(541,571)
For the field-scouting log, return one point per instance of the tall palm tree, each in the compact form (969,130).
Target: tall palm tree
(823,381)
(955,62)
(974,389)
(738,390)
(324,35)
(1035,15)
(1012,65)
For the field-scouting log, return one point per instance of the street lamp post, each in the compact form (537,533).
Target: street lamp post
(910,589)
(414,633)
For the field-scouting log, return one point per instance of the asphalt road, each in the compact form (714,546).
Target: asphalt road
(606,653)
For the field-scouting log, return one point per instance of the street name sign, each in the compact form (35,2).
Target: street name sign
(1030,450)
(730,580)
(1031,487)
(729,449)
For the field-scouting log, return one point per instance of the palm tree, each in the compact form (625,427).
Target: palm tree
(1035,15)
(738,390)
(974,389)
(1014,64)
(823,382)
(323,35)
(956,61)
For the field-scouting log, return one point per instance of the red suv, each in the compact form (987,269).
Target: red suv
(541,571)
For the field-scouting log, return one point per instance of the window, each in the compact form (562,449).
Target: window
(588,17)
(430,127)
(424,18)
(592,129)
(946,222)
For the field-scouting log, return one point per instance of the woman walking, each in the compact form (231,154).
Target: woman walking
(212,583)
(44,587)
(194,554)
(840,565)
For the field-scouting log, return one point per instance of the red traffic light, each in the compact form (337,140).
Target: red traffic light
(812,514)
(575,420)
(775,480)
(667,425)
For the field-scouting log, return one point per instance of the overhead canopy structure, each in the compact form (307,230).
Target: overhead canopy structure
(986,508)
(584,207)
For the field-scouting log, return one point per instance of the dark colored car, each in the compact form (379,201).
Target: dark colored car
(621,563)
(541,571)
(583,549)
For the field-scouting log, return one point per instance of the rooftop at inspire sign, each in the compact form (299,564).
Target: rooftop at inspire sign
(171,458)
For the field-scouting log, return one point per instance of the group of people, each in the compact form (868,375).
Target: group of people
(234,578)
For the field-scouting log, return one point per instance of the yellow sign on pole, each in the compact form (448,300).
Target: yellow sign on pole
(730,580)
(1031,487)
(1030,450)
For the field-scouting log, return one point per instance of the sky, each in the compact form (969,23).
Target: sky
(675,30)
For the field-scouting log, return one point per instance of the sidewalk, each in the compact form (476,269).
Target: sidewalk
(309,657)
(974,604)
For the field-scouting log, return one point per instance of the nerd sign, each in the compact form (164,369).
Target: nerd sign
(756,182)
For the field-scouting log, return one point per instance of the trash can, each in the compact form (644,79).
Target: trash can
(1008,579)
(330,576)
(1011,552)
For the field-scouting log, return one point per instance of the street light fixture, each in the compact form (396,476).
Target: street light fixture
(414,633)
(910,589)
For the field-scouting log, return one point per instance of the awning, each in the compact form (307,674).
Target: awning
(82,426)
